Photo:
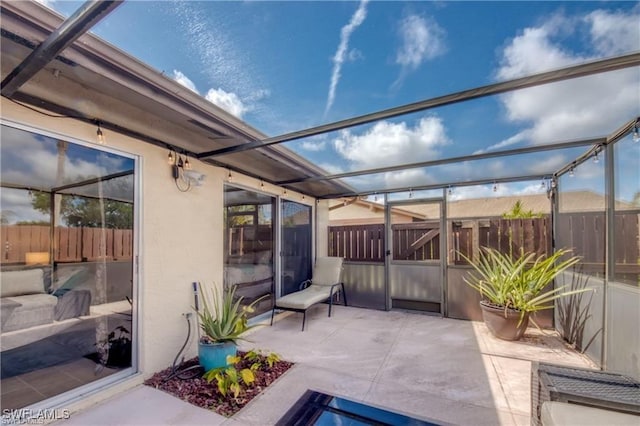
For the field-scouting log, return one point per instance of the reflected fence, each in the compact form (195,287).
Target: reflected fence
(31,243)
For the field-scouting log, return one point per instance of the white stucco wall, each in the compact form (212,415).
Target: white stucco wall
(180,234)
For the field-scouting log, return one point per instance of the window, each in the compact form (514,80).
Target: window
(66,268)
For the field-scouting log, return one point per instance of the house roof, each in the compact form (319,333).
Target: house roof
(570,201)
(93,81)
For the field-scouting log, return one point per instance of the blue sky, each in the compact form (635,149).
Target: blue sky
(285,66)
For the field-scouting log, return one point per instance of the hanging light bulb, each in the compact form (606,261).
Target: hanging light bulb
(261,184)
(229,176)
(495,187)
(572,173)
(187,164)
(410,193)
(100,135)
(170,158)
(375,197)
(636,133)
(450,191)
(596,159)
(344,202)
(284,192)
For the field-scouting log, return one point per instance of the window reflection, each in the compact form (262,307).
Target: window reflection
(66,266)
(249,244)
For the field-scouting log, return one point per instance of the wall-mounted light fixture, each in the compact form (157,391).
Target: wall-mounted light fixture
(182,173)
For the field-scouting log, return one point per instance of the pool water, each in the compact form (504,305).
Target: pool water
(316,408)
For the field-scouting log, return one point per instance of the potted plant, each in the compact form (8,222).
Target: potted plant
(222,323)
(513,288)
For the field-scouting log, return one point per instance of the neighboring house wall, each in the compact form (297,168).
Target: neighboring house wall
(363,213)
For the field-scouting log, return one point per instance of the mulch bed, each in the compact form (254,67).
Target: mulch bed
(199,392)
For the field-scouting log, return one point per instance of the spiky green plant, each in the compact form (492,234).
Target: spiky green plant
(224,320)
(519,283)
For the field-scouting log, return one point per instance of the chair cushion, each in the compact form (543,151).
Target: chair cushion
(33,309)
(561,413)
(18,283)
(305,298)
(327,271)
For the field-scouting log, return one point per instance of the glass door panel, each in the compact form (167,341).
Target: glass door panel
(296,245)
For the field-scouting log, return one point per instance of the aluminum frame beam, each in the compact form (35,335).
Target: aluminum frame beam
(442,185)
(89,14)
(581,70)
(472,157)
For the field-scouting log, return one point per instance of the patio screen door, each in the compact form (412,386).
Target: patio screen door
(415,254)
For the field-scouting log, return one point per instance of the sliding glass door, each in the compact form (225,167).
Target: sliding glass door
(249,246)
(66,266)
(296,245)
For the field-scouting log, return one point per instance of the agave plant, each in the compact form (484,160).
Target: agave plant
(520,283)
(224,320)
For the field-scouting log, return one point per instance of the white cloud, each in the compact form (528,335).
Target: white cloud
(184,80)
(314,146)
(389,143)
(332,168)
(47,3)
(614,33)
(577,108)
(343,53)
(422,39)
(228,101)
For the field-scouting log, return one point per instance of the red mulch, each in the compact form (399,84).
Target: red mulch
(199,392)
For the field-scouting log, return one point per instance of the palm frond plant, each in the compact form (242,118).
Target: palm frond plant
(223,321)
(520,283)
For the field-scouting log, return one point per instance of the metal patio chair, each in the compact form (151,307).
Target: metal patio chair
(325,284)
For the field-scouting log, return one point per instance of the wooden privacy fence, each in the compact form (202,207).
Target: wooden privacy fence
(357,243)
(72,244)
(582,232)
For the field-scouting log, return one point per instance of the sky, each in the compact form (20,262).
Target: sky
(286,66)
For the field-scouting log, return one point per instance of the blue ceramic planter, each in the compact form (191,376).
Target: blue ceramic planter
(214,355)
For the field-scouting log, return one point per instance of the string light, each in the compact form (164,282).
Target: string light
(170,158)
(572,173)
(410,193)
(596,160)
(284,192)
(261,184)
(495,187)
(100,135)
(229,176)
(636,133)
(375,197)
(187,164)
(450,191)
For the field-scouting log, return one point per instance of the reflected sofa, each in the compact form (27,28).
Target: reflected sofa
(26,303)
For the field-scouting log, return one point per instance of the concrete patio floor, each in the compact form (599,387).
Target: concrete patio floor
(445,370)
